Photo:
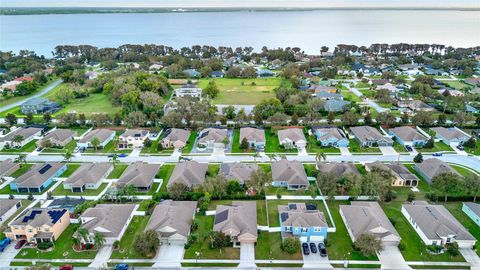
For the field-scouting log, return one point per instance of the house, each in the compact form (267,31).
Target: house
(290,174)
(292,138)
(88,176)
(262,73)
(336,105)
(402,176)
(27,134)
(217,74)
(451,92)
(192,73)
(406,135)
(472,81)
(104,136)
(238,220)
(322,88)
(8,208)
(237,171)
(175,137)
(38,225)
(367,136)
(132,138)
(172,220)
(368,218)
(327,96)
(415,105)
(330,136)
(7,167)
(432,167)
(155,67)
(38,177)
(39,106)
(211,138)
(189,173)
(436,225)
(110,220)
(58,138)
(450,135)
(378,82)
(337,168)
(66,202)
(472,210)
(302,221)
(91,75)
(254,136)
(470,109)
(388,86)
(141,175)
(188,90)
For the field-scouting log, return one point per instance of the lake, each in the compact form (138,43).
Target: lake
(306,29)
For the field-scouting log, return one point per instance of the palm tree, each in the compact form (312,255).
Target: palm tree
(255,156)
(67,156)
(320,156)
(22,158)
(272,157)
(98,239)
(95,143)
(114,159)
(81,234)
(17,139)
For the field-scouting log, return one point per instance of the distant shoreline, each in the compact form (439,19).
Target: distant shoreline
(103,10)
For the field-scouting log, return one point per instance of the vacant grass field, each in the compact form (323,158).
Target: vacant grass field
(244,91)
(94,103)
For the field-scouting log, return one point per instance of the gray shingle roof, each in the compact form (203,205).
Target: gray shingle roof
(59,135)
(176,215)
(408,134)
(25,132)
(216,135)
(139,174)
(7,167)
(433,166)
(177,134)
(435,221)
(252,134)
(238,219)
(293,134)
(107,219)
(6,205)
(238,171)
(190,173)
(299,216)
(397,169)
(449,133)
(33,178)
(101,134)
(330,132)
(338,168)
(89,173)
(292,172)
(134,133)
(367,133)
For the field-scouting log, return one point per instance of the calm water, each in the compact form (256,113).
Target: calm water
(306,29)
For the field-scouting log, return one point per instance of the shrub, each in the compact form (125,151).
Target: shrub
(411,196)
(434,248)
(291,245)
(44,245)
(402,245)
(452,249)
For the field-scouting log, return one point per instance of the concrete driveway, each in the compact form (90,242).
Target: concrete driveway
(344,151)
(247,255)
(391,258)
(102,257)
(314,260)
(471,257)
(8,254)
(388,151)
(169,256)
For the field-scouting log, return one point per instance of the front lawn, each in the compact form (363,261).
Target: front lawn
(313,146)
(27,148)
(63,248)
(456,209)
(272,143)
(438,147)
(109,149)
(126,250)
(153,148)
(165,173)
(60,191)
(69,147)
(118,169)
(474,151)
(355,147)
(269,247)
(71,168)
(202,245)
(236,143)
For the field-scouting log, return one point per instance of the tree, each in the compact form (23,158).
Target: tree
(47,118)
(405,118)
(17,140)
(95,142)
(211,90)
(259,179)
(411,196)
(146,243)
(447,184)
(349,118)
(21,159)
(215,185)
(114,159)
(430,144)
(367,120)
(46,143)
(312,191)
(291,245)
(218,240)
(418,158)
(11,119)
(423,119)
(99,239)
(386,118)
(327,182)
(368,244)
(472,185)
(244,144)
(229,112)
(135,119)
(470,143)
(233,187)
(330,118)
(67,156)
(320,156)
(29,118)
(442,119)
(178,191)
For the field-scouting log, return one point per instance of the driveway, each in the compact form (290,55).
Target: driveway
(247,255)
(458,151)
(102,257)
(136,152)
(344,151)
(314,260)
(388,151)
(471,257)
(391,258)
(169,256)
(8,254)
(39,94)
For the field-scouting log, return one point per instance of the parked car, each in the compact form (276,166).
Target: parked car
(306,251)
(313,247)
(76,150)
(409,148)
(122,155)
(20,244)
(111,155)
(437,154)
(66,267)
(460,147)
(122,266)
(39,149)
(4,243)
(322,250)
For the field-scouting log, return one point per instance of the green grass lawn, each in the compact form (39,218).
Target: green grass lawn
(90,105)
(314,147)
(438,147)
(213,169)
(5,102)
(340,243)
(88,192)
(202,245)
(269,247)
(244,91)
(63,246)
(165,173)
(27,148)
(118,169)
(69,147)
(456,209)
(349,95)
(126,250)
(355,147)
(399,148)
(108,149)
(474,151)
(191,142)
(23,168)
(71,168)
(461,170)
(459,85)
(273,145)
(236,143)
(153,148)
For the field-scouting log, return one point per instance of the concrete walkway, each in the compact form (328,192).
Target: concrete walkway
(391,258)
(102,257)
(39,94)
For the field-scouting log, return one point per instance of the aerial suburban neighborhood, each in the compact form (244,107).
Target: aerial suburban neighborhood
(156,157)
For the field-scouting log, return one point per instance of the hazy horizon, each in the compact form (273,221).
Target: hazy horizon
(245,4)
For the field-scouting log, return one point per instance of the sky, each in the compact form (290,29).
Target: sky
(241,3)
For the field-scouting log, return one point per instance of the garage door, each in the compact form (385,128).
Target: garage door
(316,238)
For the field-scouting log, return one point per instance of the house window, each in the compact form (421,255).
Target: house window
(288,228)
(317,229)
(304,229)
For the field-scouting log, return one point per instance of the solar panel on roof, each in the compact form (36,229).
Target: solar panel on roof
(221,217)
(283,216)
(55,215)
(45,168)
(31,216)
